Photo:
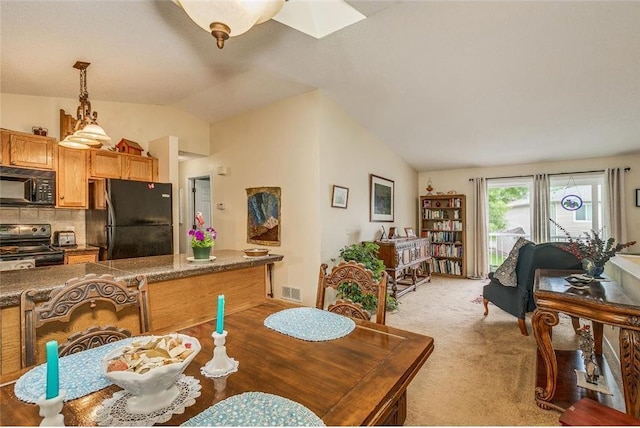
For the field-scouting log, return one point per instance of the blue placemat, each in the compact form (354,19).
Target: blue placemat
(256,409)
(310,324)
(80,374)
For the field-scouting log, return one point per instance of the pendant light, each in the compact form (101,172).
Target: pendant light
(87,133)
(229,18)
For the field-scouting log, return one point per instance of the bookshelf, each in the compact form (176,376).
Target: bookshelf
(443,223)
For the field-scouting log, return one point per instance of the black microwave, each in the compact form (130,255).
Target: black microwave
(27,187)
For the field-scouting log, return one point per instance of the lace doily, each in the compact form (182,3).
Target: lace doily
(310,324)
(80,374)
(113,411)
(253,409)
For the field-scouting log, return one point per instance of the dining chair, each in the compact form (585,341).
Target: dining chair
(81,315)
(354,273)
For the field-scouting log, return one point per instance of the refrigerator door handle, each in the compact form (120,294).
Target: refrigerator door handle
(110,225)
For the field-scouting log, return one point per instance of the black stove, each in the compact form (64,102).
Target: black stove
(29,242)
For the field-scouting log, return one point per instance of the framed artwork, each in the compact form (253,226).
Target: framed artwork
(637,197)
(409,232)
(263,215)
(381,198)
(392,233)
(339,197)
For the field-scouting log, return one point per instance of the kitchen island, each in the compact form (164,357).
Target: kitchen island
(181,292)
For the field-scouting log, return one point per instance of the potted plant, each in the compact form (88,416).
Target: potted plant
(592,251)
(202,240)
(367,254)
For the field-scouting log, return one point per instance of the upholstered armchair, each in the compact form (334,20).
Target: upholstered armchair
(518,299)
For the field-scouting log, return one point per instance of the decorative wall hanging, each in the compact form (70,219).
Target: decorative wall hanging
(381,199)
(263,215)
(571,202)
(340,197)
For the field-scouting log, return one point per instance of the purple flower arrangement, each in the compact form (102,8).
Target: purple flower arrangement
(201,237)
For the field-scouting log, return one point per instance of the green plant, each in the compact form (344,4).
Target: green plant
(367,254)
(202,237)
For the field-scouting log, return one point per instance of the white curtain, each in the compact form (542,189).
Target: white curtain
(540,203)
(481,215)
(615,218)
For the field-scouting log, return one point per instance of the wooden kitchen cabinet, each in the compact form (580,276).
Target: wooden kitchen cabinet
(71,181)
(108,164)
(28,150)
(82,255)
(140,168)
(105,164)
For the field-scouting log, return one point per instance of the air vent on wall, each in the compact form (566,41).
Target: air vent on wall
(291,293)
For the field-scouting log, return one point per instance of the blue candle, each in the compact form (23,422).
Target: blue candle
(53,379)
(220,318)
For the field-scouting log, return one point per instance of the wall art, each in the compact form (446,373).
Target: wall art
(263,215)
(340,197)
(381,198)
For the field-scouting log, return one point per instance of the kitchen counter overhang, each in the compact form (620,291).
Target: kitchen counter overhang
(156,269)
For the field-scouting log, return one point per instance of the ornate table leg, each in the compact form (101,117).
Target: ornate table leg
(630,368)
(543,321)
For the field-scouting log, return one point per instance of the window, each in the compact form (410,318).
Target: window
(509,215)
(583,213)
(588,188)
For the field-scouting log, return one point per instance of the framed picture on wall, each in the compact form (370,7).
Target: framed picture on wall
(637,197)
(381,198)
(340,197)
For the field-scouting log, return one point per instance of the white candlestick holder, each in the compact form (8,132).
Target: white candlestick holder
(220,365)
(50,410)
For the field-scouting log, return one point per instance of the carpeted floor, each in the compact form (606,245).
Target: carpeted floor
(482,371)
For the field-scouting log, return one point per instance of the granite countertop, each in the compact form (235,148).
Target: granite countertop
(77,248)
(157,268)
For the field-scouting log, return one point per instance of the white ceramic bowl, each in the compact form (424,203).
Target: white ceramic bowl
(156,388)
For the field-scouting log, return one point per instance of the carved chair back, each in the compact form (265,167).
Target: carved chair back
(76,305)
(355,273)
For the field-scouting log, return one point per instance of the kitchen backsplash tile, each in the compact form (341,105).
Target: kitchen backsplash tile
(59,219)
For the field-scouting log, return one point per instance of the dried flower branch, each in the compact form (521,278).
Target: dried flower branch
(592,246)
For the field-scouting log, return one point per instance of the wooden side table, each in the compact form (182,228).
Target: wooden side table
(602,302)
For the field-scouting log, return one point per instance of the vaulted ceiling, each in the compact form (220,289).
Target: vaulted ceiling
(447,84)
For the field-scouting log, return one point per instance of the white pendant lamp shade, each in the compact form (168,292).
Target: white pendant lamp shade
(72,144)
(229,18)
(93,131)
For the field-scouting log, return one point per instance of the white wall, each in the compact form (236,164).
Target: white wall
(136,122)
(348,155)
(304,145)
(458,179)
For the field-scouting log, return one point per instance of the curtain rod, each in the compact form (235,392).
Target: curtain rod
(558,173)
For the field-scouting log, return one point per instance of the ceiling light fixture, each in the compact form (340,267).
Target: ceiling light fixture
(229,18)
(85,132)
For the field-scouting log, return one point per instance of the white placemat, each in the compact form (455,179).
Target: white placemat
(80,374)
(310,324)
(254,409)
(600,387)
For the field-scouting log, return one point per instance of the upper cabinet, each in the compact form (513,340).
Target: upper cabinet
(140,168)
(108,164)
(105,164)
(27,150)
(72,190)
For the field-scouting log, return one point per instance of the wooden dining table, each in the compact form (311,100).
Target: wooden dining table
(358,379)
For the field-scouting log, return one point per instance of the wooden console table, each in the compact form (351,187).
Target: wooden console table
(406,260)
(604,302)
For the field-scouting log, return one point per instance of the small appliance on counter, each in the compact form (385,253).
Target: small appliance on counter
(64,238)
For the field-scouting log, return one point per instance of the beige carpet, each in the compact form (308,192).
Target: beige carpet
(482,371)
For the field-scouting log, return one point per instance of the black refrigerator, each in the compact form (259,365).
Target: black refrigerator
(137,221)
